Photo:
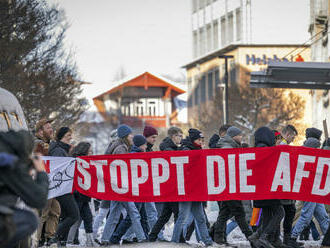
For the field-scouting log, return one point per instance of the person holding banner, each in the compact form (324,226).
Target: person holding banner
(69,207)
(121,146)
(194,141)
(228,209)
(82,149)
(267,234)
(311,209)
(51,213)
(171,143)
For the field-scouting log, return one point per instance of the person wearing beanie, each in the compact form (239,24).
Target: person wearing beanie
(232,139)
(233,208)
(313,133)
(68,205)
(194,141)
(122,145)
(171,143)
(124,231)
(311,209)
(151,135)
(140,143)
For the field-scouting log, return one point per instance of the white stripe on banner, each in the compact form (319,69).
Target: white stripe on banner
(60,174)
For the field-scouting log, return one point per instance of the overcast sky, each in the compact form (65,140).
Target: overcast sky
(154,35)
(139,35)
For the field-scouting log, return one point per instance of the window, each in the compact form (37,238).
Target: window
(197,95)
(238,25)
(223,32)
(201,41)
(215,35)
(230,27)
(209,37)
(210,85)
(201,4)
(195,44)
(232,71)
(194,5)
(203,88)
(216,78)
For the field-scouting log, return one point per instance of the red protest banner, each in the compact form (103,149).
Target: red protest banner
(281,172)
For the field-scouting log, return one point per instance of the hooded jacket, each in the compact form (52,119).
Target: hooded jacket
(187,144)
(135,149)
(117,147)
(227,142)
(168,145)
(15,180)
(264,137)
(59,149)
(214,140)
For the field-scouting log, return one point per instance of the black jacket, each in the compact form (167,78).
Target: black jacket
(15,180)
(168,145)
(214,140)
(149,147)
(264,137)
(187,144)
(58,149)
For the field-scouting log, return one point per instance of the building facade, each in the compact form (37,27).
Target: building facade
(320,52)
(143,99)
(219,23)
(205,75)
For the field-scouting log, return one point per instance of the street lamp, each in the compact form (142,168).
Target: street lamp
(226,112)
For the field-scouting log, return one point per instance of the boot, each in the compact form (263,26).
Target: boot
(89,240)
(265,242)
(292,242)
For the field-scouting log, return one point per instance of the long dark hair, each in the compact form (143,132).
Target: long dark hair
(81,149)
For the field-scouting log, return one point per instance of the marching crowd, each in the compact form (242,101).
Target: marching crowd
(59,219)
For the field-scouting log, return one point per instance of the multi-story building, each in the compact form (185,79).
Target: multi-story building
(219,23)
(254,32)
(320,52)
(143,99)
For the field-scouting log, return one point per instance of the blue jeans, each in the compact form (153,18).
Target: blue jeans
(113,219)
(309,210)
(26,223)
(185,209)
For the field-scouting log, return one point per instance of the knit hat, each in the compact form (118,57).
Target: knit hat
(139,140)
(233,131)
(149,131)
(312,143)
(61,132)
(195,134)
(313,132)
(123,131)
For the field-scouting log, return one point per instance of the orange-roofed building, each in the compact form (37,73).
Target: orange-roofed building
(143,99)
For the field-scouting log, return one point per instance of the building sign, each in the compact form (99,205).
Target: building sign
(264,60)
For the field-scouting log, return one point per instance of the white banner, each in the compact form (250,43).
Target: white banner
(60,174)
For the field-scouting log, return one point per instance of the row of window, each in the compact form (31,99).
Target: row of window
(206,38)
(200,4)
(208,84)
(143,107)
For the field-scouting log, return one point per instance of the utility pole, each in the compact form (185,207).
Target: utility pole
(226,112)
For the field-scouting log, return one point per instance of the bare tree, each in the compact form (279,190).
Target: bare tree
(33,63)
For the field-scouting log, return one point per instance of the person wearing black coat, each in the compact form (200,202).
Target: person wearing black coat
(272,211)
(82,149)
(170,143)
(216,137)
(69,207)
(16,182)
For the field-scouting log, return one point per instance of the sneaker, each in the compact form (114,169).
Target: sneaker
(126,241)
